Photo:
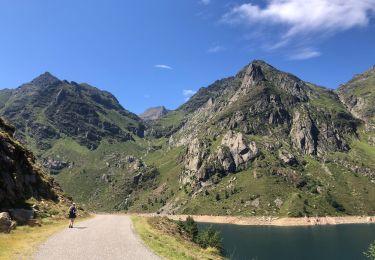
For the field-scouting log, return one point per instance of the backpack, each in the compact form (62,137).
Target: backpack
(72,212)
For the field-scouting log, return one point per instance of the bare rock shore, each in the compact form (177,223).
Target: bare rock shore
(275,221)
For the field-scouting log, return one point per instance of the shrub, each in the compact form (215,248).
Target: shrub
(370,253)
(226,194)
(210,238)
(191,228)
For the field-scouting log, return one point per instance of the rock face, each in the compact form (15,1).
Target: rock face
(242,151)
(47,108)
(234,154)
(304,133)
(20,177)
(154,113)
(55,166)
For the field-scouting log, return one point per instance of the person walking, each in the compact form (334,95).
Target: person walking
(72,214)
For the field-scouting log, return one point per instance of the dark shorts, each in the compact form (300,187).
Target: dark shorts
(72,216)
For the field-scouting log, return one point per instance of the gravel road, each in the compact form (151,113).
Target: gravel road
(103,237)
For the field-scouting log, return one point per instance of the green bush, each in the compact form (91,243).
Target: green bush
(190,227)
(210,238)
(370,253)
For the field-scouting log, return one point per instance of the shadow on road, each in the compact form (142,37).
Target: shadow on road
(80,227)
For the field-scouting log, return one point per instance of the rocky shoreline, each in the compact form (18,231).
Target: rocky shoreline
(275,221)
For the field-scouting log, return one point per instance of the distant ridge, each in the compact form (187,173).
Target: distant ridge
(154,113)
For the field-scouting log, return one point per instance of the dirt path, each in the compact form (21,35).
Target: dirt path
(103,237)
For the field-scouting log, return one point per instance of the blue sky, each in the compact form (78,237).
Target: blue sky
(150,53)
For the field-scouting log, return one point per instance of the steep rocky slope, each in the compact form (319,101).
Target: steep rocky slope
(25,189)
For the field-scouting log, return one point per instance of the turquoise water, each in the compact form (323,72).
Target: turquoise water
(316,242)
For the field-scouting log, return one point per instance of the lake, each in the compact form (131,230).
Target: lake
(305,243)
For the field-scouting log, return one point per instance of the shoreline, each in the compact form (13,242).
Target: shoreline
(273,221)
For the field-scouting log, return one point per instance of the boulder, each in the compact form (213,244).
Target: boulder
(22,216)
(287,158)
(255,203)
(6,223)
(278,202)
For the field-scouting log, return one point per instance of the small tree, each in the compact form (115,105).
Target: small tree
(210,238)
(217,197)
(191,228)
(370,253)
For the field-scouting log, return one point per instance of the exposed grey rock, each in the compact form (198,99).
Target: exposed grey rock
(241,150)
(255,203)
(287,158)
(234,154)
(55,165)
(196,152)
(278,202)
(106,178)
(6,223)
(304,133)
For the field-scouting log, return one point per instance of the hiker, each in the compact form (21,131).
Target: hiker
(72,214)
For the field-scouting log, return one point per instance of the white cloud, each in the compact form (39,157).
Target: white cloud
(163,66)
(305,16)
(205,2)
(305,54)
(215,49)
(188,93)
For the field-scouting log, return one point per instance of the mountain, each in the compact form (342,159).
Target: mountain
(83,136)
(262,142)
(266,142)
(154,113)
(48,109)
(23,184)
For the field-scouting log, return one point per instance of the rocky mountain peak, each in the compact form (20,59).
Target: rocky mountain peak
(154,113)
(46,107)
(256,73)
(44,80)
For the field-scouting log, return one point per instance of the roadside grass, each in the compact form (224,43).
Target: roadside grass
(166,241)
(22,242)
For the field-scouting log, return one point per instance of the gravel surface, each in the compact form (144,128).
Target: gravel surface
(103,237)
